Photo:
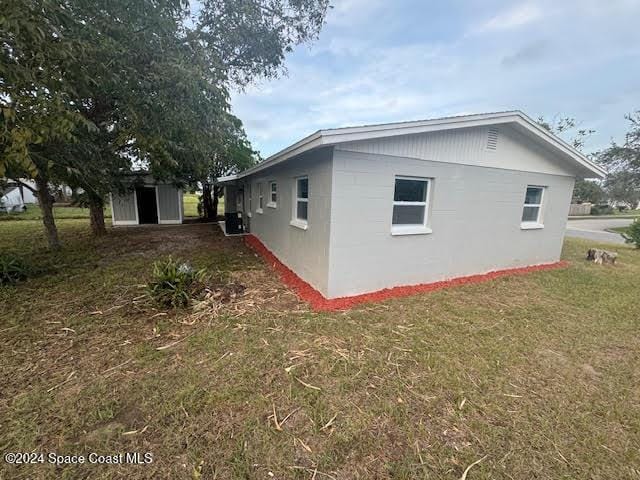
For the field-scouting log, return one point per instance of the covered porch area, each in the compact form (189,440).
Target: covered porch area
(235,222)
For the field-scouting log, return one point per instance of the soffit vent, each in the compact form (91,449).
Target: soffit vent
(492,139)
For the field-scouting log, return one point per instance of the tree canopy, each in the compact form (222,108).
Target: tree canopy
(588,191)
(623,162)
(91,88)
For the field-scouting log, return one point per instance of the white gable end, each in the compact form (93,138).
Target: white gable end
(487,146)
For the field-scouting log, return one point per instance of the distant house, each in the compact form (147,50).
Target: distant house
(147,201)
(15,197)
(359,209)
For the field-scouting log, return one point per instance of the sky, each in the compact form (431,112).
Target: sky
(380,61)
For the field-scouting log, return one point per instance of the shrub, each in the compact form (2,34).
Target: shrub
(601,210)
(632,235)
(174,283)
(12,269)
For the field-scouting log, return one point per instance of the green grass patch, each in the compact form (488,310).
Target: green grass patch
(534,373)
(59,212)
(619,229)
(191,205)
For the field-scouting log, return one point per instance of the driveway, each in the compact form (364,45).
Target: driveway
(595,229)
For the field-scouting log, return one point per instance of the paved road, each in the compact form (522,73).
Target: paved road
(594,229)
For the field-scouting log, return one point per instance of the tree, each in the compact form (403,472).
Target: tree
(230,155)
(248,40)
(584,190)
(34,95)
(623,161)
(623,187)
(561,125)
(588,191)
(90,86)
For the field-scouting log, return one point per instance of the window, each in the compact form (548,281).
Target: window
(301,205)
(273,192)
(260,198)
(250,200)
(532,211)
(410,206)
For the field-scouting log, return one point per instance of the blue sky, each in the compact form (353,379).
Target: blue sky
(381,61)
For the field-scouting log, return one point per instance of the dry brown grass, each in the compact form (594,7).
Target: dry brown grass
(536,375)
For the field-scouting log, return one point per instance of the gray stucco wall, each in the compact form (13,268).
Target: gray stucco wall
(306,252)
(475,216)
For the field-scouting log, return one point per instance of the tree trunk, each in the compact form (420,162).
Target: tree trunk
(96,215)
(207,202)
(216,198)
(45,200)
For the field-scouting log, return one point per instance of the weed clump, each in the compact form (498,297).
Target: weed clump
(174,283)
(13,269)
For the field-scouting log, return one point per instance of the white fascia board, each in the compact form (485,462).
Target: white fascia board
(560,144)
(227,178)
(334,137)
(308,143)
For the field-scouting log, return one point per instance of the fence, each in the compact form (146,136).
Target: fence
(580,209)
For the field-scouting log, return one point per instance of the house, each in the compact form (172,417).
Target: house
(147,201)
(15,196)
(360,209)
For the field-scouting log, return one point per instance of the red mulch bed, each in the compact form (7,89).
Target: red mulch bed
(319,303)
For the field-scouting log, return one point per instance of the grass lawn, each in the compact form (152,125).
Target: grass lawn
(537,375)
(634,213)
(65,212)
(190,205)
(59,212)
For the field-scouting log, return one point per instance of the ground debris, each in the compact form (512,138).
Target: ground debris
(246,292)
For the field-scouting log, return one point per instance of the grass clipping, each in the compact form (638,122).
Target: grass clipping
(245,292)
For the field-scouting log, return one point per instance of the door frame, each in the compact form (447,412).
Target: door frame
(135,196)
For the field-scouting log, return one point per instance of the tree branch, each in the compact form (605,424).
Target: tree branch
(28,187)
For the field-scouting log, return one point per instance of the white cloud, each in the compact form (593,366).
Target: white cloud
(393,68)
(515,17)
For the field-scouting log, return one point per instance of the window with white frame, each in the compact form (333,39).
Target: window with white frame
(301,204)
(532,210)
(410,205)
(273,195)
(260,198)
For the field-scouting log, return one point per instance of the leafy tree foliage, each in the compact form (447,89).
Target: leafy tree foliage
(588,191)
(623,187)
(90,87)
(623,161)
(632,235)
(584,190)
(561,125)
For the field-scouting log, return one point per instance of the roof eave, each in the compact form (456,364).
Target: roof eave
(337,136)
(562,146)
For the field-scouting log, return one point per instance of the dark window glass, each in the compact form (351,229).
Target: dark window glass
(530,214)
(410,190)
(533,196)
(303,188)
(302,210)
(408,215)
